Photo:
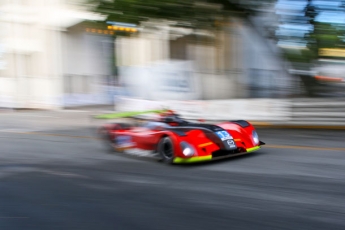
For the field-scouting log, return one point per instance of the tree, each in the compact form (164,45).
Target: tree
(187,13)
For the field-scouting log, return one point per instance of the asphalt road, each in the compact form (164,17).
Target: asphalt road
(64,179)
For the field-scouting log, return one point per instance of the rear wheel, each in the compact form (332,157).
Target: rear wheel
(166,150)
(107,139)
(110,139)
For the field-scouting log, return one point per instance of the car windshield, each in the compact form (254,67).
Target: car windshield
(154,124)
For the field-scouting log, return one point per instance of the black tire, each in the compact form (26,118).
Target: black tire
(166,150)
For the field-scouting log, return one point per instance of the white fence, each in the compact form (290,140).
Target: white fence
(316,112)
(248,109)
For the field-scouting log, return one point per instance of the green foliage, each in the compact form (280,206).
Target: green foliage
(328,36)
(190,13)
(299,56)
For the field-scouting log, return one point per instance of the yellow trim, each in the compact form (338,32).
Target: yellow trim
(205,144)
(192,159)
(237,140)
(253,149)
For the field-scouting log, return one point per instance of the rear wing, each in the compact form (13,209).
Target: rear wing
(130,114)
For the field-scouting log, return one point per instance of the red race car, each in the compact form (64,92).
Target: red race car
(175,140)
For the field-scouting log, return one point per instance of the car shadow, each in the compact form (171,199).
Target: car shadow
(193,164)
(223,160)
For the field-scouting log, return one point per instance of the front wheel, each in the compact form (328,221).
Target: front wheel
(166,150)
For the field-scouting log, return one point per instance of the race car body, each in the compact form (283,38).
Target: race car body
(179,141)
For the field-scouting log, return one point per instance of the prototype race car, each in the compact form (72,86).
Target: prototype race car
(176,140)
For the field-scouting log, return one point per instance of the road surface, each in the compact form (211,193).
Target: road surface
(63,178)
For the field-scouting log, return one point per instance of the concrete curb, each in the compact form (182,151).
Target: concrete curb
(291,126)
(288,125)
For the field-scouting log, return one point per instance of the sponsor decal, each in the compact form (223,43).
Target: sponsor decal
(224,135)
(124,141)
(231,143)
(178,81)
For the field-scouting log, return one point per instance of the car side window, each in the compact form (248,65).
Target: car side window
(155,125)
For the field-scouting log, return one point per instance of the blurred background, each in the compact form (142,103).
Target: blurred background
(66,53)
(278,64)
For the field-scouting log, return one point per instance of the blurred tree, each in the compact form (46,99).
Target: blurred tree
(188,13)
(323,34)
(321,24)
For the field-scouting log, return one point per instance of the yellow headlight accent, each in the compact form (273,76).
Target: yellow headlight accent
(205,144)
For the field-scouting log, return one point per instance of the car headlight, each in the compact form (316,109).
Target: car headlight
(255,137)
(187,149)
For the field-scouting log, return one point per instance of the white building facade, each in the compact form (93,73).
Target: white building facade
(38,49)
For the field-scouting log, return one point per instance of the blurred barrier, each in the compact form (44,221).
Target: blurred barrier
(248,109)
(318,111)
(296,112)
(85,90)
